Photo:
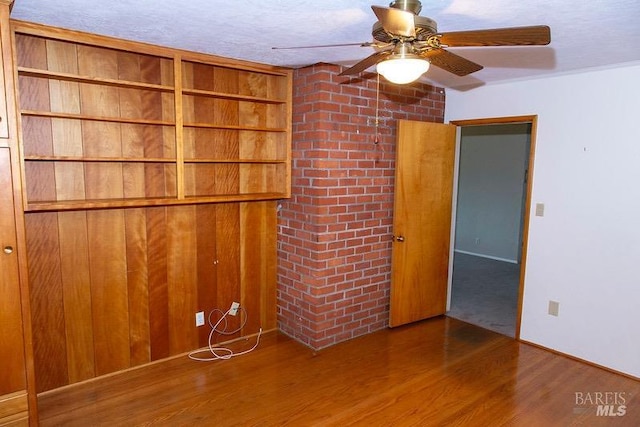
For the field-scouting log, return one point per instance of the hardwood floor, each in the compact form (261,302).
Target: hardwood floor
(437,372)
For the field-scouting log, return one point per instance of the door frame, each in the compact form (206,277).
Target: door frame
(533,120)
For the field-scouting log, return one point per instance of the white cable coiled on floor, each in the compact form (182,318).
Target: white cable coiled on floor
(222,353)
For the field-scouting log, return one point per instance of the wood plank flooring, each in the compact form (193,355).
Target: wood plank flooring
(434,373)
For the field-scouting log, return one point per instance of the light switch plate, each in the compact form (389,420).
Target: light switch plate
(539,209)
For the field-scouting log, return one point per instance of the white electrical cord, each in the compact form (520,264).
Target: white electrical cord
(222,353)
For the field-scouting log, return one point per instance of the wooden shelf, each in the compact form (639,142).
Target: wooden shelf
(146,160)
(234,127)
(98,159)
(55,115)
(147,122)
(211,94)
(33,72)
(240,161)
(70,205)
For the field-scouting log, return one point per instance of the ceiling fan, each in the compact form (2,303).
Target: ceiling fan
(406,43)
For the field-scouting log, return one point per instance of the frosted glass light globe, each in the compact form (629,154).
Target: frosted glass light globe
(403,70)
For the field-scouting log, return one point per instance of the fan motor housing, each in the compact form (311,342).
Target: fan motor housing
(425,28)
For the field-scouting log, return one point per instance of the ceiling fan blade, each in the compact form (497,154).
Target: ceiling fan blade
(397,22)
(451,62)
(366,63)
(515,36)
(363,44)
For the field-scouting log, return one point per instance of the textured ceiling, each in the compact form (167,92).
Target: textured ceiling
(584,34)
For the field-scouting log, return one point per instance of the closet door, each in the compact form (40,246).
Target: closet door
(13,395)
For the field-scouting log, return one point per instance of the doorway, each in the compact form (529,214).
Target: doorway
(489,222)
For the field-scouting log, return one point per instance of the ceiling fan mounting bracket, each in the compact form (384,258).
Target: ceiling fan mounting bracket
(413,6)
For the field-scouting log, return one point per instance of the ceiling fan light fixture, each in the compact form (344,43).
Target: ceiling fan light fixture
(403,69)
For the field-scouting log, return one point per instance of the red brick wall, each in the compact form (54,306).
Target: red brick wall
(334,234)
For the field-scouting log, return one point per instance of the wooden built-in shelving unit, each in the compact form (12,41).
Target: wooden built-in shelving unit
(96,117)
(149,181)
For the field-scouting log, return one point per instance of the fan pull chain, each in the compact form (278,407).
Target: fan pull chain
(377,136)
(376,140)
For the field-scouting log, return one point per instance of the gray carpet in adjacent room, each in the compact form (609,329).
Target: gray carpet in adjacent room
(485,293)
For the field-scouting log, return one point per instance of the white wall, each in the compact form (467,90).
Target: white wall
(490,190)
(585,251)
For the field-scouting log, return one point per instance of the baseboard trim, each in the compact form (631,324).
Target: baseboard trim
(147,365)
(512,261)
(578,359)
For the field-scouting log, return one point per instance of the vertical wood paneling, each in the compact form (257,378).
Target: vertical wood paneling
(76,292)
(182,277)
(228,255)
(158,291)
(126,284)
(251,228)
(47,306)
(258,263)
(109,300)
(207,264)
(269,258)
(138,286)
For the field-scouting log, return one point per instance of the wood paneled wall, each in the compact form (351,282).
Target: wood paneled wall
(113,289)
(122,154)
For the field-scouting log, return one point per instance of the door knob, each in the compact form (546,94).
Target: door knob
(8,250)
(398,238)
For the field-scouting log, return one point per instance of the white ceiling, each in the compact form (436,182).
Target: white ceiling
(584,34)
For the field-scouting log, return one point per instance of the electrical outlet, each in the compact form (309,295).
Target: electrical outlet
(234,308)
(554,308)
(200,318)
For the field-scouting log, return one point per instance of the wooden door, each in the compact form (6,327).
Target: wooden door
(422,220)
(12,373)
